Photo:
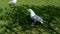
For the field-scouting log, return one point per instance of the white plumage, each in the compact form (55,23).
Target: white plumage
(12,2)
(35,17)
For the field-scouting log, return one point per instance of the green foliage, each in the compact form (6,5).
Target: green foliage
(32,2)
(16,20)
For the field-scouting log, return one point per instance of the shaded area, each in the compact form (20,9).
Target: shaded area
(19,21)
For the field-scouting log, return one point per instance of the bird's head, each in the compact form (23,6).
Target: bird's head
(30,10)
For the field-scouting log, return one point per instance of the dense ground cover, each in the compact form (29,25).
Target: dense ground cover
(16,20)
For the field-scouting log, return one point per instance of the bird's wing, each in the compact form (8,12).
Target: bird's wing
(37,18)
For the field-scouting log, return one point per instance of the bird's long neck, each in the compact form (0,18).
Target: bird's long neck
(32,13)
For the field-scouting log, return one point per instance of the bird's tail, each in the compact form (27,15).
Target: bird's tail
(42,22)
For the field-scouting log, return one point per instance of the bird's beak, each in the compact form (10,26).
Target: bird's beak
(27,9)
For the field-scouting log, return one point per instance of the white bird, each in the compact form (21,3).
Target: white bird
(12,2)
(35,17)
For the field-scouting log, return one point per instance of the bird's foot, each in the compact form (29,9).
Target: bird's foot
(33,24)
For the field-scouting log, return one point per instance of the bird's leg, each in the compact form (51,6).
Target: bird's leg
(13,5)
(33,23)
